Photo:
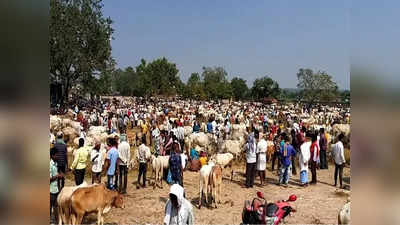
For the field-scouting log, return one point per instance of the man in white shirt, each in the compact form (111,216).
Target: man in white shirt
(143,156)
(180,134)
(338,155)
(97,163)
(124,152)
(251,159)
(261,157)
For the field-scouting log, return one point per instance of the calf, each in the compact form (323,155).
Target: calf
(215,184)
(93,199)
(159,164)
(270,150)
(225,160)
(64,202)
(204,179)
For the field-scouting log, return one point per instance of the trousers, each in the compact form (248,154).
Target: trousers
(250,174)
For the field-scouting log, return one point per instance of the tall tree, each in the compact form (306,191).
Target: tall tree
(265,87)
(79,41)
(216,85)
(195,87)
(239,88)
(316,86)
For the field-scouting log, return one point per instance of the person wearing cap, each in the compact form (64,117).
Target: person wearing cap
(97,163)
(178,210)
(124,152)
(61,158)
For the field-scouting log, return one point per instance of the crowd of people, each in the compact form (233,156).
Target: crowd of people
(163,134)
(304,148)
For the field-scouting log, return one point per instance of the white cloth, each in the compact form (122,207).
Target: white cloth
(183,160)
(184,213)
(97,164)
(304,155)
(180,133)
(143,153)
(251,156)
(262,155)
(338,153)
(124,152)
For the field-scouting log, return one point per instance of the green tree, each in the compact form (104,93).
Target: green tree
(216,85)
(316,86)
(265,87)
(160,77)
(79,41)
(195,87)
(239,88)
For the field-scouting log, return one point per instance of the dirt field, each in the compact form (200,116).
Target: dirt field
(318,204)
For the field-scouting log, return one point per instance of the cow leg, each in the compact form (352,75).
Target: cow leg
(215,195)
(99,216)
(161,176)
(60,215)
(219,192)
(201,192)
(73,219)
(79,218)
(207,189)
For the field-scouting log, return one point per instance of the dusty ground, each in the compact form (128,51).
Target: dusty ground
(315,204)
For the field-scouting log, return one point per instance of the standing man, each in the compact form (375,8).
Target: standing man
(54,177)
(276,155)
(251,159)
(175,165)
(261,158)
(181,136)
(338,155)
(143,156)
(61,158)
(323,143)
(112,160)
(157,140)
(124,152)
(314,153)
(287,151)
(114,124)
(303,160)
(79,164)
(97,163)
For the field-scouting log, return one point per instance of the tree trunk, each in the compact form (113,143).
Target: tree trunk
(66,91)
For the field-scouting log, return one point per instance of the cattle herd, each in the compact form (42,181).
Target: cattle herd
(222,146)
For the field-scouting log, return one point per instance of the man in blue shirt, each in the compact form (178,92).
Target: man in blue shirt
(287,151)
(209,126)
(112,160)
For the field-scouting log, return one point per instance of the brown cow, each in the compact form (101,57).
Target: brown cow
(93,199)
(215,184)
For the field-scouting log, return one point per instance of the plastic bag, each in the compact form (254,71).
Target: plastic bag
(169,177)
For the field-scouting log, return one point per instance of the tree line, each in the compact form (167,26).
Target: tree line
(80,55)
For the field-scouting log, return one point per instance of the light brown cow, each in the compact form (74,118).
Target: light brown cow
(93,199)
(215,184)
(64,202)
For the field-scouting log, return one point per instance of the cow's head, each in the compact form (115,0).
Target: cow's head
(119,202)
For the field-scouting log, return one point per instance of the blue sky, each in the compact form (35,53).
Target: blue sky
(248,39)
